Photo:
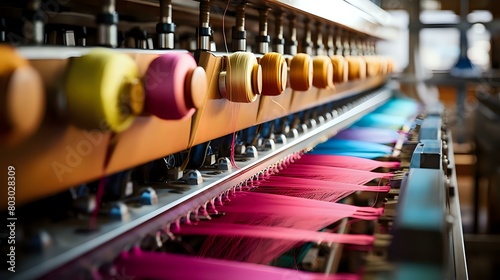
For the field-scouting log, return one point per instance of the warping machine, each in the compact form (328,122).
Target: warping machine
(130,128)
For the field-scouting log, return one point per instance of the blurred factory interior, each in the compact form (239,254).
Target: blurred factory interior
(450,33)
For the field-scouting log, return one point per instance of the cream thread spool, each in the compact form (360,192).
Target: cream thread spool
(242,79)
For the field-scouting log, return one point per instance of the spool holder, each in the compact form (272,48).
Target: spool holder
(278,40)
(238,31)
(263,39)
(319,45)
(107,20)
(291,42)
(307,43)
(204,32)
(165,28)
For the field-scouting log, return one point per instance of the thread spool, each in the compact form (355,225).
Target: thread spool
(301,72)
(373,66)
(103,90)
(340,69)
(242,79)
(274,74)
(22,97)
(175,87)
(357,67)
(322,72)
(383,65)
(390,65)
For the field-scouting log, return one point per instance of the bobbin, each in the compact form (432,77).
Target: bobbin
(240,78)
(103,90)
(357,67)
(323,72)
(274,74)
(301,72)
(175,86)
(22,97)
(340,69)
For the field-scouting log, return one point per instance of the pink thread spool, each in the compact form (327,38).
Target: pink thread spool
(175,86)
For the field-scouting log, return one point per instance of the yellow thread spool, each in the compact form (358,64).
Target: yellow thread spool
(274,74)
(242,78)
(301,72)
(340,69)
(103,90)
(322,72)
(22,97)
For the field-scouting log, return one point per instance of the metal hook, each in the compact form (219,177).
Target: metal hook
(212,205)
(187,218)
(203,209)
(177,223)
(196,213)
(219,200)
(225,196)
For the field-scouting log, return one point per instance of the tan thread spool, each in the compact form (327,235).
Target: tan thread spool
(357,67)
(274,74)
(340,69)
(373,66)
(301,72)
(322,72)
(242,80)
(390,65)
(383,65)
(22,97)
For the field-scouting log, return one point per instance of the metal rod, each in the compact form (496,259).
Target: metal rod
(107,20)
(291,42)
(353,45)
(278,41)
(330,45)
(166,11)
(307,42)
(339,46)
(263,40)
(165,28)
(204,30)
(319,45)
(239,33)
(335,251)
(37,25)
